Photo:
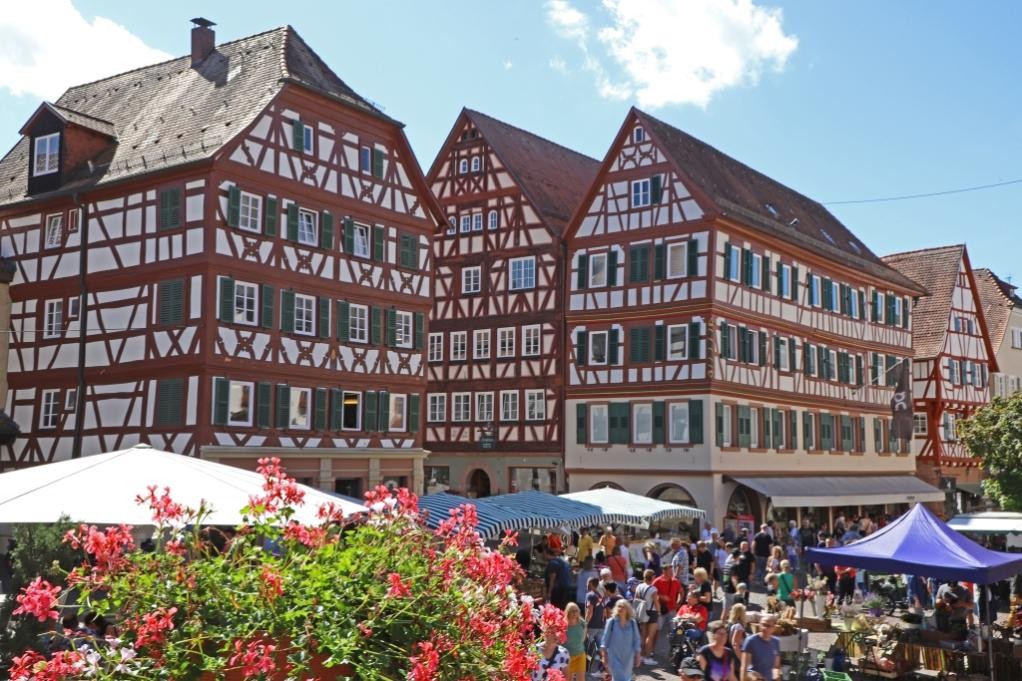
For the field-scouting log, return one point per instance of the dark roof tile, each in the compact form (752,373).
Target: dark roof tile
(998,299)
(935,269)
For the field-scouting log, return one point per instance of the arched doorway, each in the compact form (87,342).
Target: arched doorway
(611,485)
(478,484)
(740,513)
(675,494)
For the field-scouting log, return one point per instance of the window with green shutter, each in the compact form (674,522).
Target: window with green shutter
(169,209)
(638,263)
(343,321)
(287,311)
(580,423)
(323,309)
(582,272)
(695,332)
(369,420)
(283,406)
(408,251)
(375,330)
(233,206)
(326,230)
(695,422)
(826,432)
(581,347)
(377,162)
(612,267)
(319,406)
(659,421)
(170,402)
(619,423)
(226,303)
(612,343)
(379,241)
(336,408)
(639,344)
(659,342)
(267,318)
(264,405)
(794,283)
(414,417)
(297,135)
(418,321)
(221,400)
(384,411)
(659,261)
(170,302)
(692,253)
(270,217)
(744,426)
(793,429)
(292,221)
(392,327)
(656,189)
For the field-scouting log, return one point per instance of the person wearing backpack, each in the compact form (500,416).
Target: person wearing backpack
(646,605)
(621,645)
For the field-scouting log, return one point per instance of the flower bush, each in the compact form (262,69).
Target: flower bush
(380,597)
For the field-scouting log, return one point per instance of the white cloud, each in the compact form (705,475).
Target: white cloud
(664,52)
(558,64)
(508,64)
(47,46)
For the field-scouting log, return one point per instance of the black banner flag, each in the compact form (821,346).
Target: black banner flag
(901,404)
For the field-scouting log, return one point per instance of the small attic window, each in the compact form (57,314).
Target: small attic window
(47,154)
(855,246)
(773,211)
(638,135)
(827,236)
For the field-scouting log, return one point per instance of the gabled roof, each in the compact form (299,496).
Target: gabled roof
(763,203)
(171,114)
(554,178)
(66,115)
(998,299)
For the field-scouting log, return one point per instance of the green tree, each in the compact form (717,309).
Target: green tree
(994,433)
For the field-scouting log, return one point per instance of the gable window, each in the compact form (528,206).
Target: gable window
(640,193)
(466,223)
(506,342)
(360,240)
(463,166)
(638,135)
(307,228)
(530,340)
(437,407)
(523,273)
(598,347)
(50,410)
(459,343)
(599,426)
(784,287)
(677,342)
(597,270)
(535,405)
(47,154)
(493,220)
(239,403)
(642,417)
(53,322)
(305,314)
(358,323)
(246,301)
(461,406)
(403,329)
(452,222)
(351,411)
(678,419)
(365,160)
(508,405)
(484,407)
(734,258)
(250,212)
(398,404)
(298,414)
(54,231)
(477,222)
(436,347)
(74,220)
(71,397)
(676,261)
(481,344)
(308,138)
(471,279)
(476,164)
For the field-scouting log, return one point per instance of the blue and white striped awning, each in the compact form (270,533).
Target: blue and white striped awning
(650,510)
(559,511)
(494,520)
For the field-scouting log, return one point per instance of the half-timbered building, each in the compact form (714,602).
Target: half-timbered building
(1002,310)
(731,344)
(495,348)
(953,362)
(225,255)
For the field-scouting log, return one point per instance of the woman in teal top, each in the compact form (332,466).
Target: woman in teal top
(785,583)
(576,644)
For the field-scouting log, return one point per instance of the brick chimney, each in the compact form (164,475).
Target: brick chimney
(203,40)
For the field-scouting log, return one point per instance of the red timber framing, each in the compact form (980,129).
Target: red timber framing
(270,299)
(954,359)
(494,408)
(720,324)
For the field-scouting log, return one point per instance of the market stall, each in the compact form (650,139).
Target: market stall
(617,502)
(494,520)
(993,522)
(919,543)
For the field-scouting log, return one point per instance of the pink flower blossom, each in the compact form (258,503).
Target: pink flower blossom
(39,599)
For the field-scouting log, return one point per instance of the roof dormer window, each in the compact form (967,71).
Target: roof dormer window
(47,154)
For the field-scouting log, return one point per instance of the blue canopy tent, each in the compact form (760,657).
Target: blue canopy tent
(493,519)
(919,543)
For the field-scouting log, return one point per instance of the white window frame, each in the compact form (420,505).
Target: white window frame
(785,286)
(493,220)
(509,405)
(532,340)
(1016,338)
(757,271)
(638,135)
(294,398)
(477,164)
(641,438)
(595,272)
(360,240)
(304,236)
(250,212)
(466,223)
(599,418)
(671,355)
(404,329)
(671,249)
(54,237)
(70,399)
(365,160)
(477,222)
(853,303)
(505,342)
(74,220)
(897,311)
(472,279)
(754,427)
(754,347)
(358,410)
(436,407)
(246,303)
(452,224)
(398,407)
(920,423)
(436,347)
(641,193)
(593,359)
(526,276)
(816,284)
(810,439)
(484,407)
(481,343)
(358,323)
(462,166)
(459,346)
(308,305)
(727,413)
(308,138)
(535,405)
(832,363)
(51,159)
(672,436)
(734,272)
(732,337)
(461,406)
(250,410)
(53,319)
(784,353)
(49,409)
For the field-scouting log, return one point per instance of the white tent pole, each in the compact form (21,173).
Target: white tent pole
(990,631)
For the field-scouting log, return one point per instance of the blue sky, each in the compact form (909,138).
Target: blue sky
(839,101)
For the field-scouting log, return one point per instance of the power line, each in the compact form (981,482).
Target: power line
(928,194)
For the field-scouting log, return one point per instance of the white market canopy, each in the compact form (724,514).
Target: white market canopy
(101,489)
(617,502)
(993,522)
